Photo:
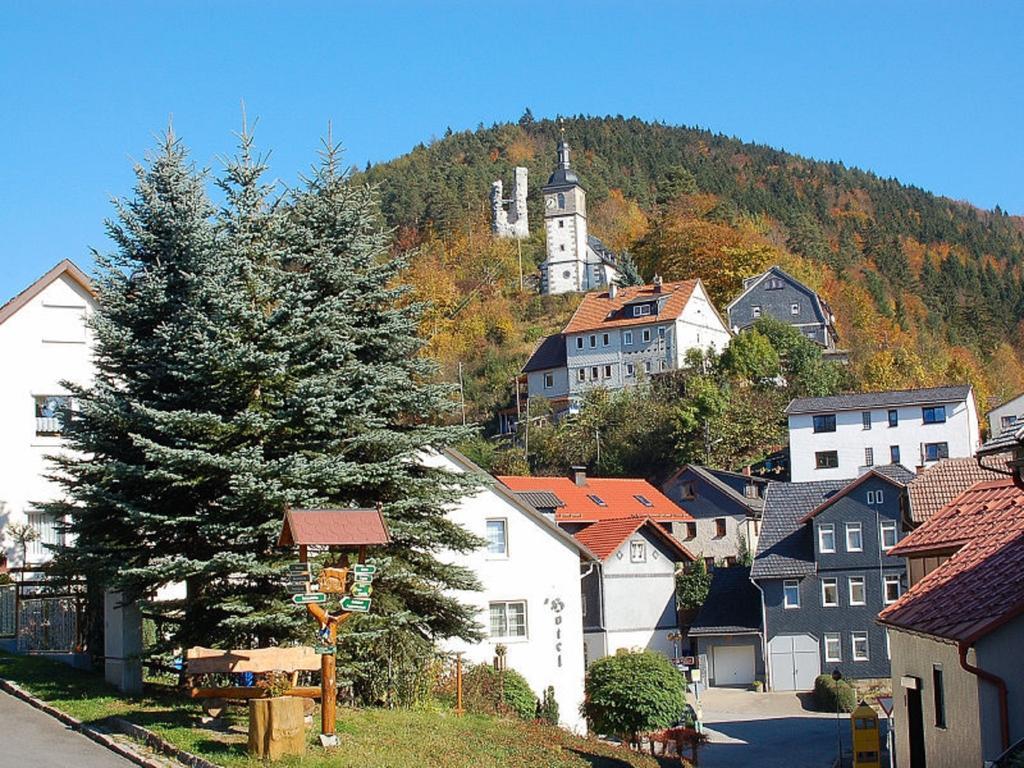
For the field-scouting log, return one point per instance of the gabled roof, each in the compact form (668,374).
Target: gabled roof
(857,401)
(605,537)
(1019,398)
(541,499)
(619,497)
(515,500)
(894,474)
(714,477)
(66,267)
(606,254)
(937,485)
(550,353)
(733,605)
(785,547)
(823,311)
(333,527)
(981,586)
(598,310)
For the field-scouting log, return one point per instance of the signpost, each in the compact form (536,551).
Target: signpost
(309,598)
(355,604)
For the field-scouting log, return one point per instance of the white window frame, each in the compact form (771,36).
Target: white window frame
(645,335)
(786,585)
(794,309)
(581,374)
(593,373)
(505,604)
(605,340)
(857,581)
(607,371)
(831,637)
(491,554)
(827,583)
(869,457)
(630,370)
(647,366)
(627,338)
(579,342)
(871,498)
(593,340)
(886,582)
(755,310)
(549,381)
(850,528)
(884,527)
(637,551)
(823,529)
(856,637)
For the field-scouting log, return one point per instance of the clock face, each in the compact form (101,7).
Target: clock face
(550,202)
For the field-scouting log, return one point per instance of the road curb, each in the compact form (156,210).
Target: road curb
(119,725)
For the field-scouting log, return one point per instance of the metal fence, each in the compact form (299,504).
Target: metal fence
(47,624)
(8,610)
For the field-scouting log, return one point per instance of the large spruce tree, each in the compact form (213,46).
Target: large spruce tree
(250,358)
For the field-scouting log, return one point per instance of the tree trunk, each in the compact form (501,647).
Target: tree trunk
(276,727)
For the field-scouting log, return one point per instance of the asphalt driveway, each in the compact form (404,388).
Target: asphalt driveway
(769,730)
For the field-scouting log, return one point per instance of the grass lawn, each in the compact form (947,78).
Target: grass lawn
(370,738)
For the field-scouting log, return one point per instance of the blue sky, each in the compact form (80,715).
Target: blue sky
(930,93)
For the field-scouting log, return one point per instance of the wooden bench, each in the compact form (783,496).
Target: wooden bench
(260,661)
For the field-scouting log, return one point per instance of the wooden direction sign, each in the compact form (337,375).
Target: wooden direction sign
(309,597)
(355,604)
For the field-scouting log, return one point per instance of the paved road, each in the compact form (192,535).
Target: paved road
(31,739)
(769,730)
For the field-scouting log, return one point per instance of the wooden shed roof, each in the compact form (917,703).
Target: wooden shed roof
(334,527)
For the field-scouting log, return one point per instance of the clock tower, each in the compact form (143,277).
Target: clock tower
(565,222)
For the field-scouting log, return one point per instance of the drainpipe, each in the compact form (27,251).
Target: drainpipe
(764,641)
(999,683)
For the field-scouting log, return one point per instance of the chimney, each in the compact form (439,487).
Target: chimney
(579,476)
(657,283)
(613,290)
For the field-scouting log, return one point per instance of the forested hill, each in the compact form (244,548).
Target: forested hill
(919,282)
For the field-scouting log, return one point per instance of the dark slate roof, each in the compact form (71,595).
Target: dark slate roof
(1007,441)
(896,472)
(713,476)
(863,400)
(733,604)
(549,354)
(786,548)
(541,499)
(607,255)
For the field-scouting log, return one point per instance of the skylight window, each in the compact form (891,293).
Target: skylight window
(643,500)
(596,499)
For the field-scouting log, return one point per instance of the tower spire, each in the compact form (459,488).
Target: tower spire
(563,147)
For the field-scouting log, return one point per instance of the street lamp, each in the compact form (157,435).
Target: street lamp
(836,677)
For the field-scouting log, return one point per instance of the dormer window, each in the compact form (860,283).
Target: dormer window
(640,310)
(597,499)
(774,284)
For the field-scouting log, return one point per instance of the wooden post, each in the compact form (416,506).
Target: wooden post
(458,683)
(328,686)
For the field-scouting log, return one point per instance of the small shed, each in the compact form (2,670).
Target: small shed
(333,528)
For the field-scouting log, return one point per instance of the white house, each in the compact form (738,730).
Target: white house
(43,340)
(842,436)
(618,336)
(531,599)
(1005,416)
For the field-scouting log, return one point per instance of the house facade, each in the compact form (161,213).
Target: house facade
(1006,416)
(824,571)
(629,595)
(620,336)
(45,339)
(957,634)
(842,436)
(530,599)
(777,294)
(726,509)
(726,634)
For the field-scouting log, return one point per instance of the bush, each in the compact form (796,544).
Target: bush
(633,692)
(547,710)
(482,692)
(825,694)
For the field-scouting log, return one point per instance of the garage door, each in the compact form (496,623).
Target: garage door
(734,664)
(795,662)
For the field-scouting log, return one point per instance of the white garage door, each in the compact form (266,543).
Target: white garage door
(734,664)
(795,662)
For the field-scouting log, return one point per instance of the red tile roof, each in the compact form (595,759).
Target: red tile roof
(618,494)
(599,310)
(940,483)
(981,586)
(333,527)
(605,538)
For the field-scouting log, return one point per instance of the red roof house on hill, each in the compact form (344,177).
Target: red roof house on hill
(957,634)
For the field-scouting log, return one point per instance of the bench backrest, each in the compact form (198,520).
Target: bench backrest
(298,658)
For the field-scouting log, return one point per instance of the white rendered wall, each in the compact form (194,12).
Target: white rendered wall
(960,431)
(1013,407)
(43,343)
(699,326)
(543,569)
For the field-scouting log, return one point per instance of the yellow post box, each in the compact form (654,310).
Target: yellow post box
(866,740)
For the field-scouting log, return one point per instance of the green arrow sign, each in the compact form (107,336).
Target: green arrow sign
(355,604)
(324,650)
(361,590)
(362,578)
(309,597)
(371,569)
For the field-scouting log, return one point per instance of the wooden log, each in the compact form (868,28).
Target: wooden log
(276,728)
(199,660)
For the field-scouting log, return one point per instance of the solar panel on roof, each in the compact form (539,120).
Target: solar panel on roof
(643,500)
(596,499)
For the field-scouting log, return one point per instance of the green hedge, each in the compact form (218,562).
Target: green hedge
(825,689)
(482,692)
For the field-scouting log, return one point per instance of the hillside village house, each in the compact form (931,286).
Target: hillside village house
(824,570)
(840,437)
(726,510)
(956,636)
(44,338)
(777,294)
(1006,416)
(725,635)
(530,597)
(629,596)
(619,336)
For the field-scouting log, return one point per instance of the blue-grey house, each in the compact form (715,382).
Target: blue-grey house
(824,574)
(777,294)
